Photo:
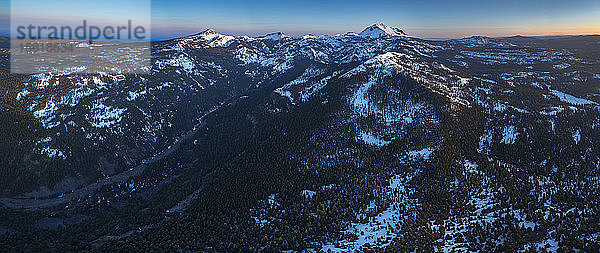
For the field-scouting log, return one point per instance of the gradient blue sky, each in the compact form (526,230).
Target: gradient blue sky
(426,19)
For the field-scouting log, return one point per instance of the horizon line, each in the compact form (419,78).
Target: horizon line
(159,38)
(408,35)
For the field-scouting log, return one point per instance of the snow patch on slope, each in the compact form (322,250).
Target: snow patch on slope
(103,116)
(371,139)
(568,98)
(423,153)
(378,230)
(509,135)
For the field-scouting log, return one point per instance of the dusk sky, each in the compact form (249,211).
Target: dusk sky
(425,19)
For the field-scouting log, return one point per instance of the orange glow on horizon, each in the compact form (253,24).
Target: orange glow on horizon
(547,30)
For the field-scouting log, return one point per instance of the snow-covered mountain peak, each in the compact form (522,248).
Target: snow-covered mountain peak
(381,30)
(308,36)
(274,36)
(209,31)
(208,38)
(477,39)
(209,34)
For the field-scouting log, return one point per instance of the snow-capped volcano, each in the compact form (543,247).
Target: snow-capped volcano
(381,30)
(208,38)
